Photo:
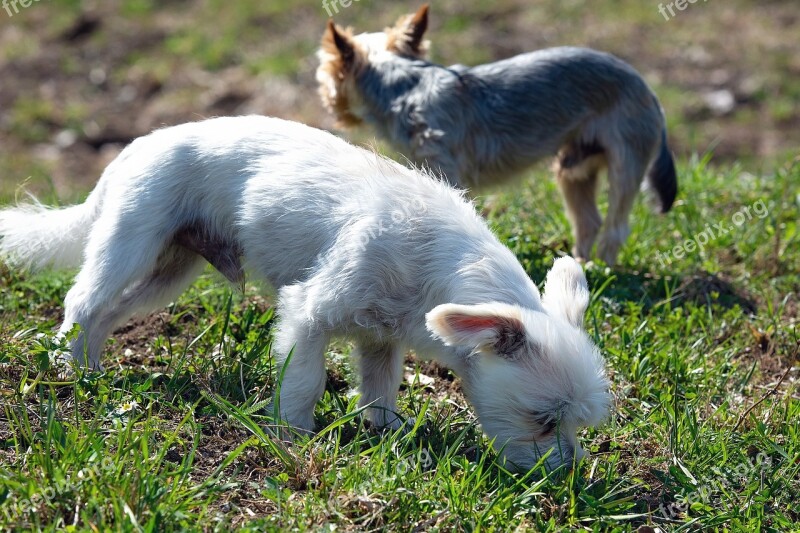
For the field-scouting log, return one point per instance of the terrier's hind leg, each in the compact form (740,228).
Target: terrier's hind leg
(381,366)
(631,136)
(625,175)
(577,180)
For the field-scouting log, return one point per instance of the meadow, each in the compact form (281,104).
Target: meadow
(698,323)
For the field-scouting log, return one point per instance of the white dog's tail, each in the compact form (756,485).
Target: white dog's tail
(35,236)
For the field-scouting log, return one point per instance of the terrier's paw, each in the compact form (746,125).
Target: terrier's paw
(607,251)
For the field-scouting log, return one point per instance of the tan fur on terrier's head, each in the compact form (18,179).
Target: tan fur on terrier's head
(340,58)
(343,56)
(406,37)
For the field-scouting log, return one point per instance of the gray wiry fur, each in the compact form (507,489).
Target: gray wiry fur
(357,246)
(482,124)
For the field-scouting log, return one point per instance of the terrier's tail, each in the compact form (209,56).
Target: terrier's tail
(662,177)
(34,236)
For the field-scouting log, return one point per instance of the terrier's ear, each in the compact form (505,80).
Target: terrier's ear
(410,32)
(417,26)
(493,328)
(340,41)
(566,293)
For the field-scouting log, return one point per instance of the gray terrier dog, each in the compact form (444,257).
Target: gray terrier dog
(480,125)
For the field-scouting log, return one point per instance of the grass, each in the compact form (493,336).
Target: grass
(702,344)
(703,356)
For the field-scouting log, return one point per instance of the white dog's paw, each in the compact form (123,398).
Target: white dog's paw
(403,424)
(287,434)
(63,367)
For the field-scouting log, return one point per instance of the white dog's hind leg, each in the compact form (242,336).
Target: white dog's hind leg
(175,270)
(115,259)
(381,366)
(304,378)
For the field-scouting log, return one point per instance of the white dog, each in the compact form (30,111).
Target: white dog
(357,245)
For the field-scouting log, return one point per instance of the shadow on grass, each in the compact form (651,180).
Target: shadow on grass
(647,288)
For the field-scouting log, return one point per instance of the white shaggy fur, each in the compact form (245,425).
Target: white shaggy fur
(357,245)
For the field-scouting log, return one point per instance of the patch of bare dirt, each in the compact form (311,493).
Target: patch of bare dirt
(705,288)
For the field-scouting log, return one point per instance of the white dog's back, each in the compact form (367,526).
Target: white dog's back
(287,203)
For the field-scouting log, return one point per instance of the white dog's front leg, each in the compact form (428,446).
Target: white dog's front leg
(304,379)
(304,345)
(381,367)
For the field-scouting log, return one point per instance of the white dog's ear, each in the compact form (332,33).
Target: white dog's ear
(407,37)
(566,293)
(493,328)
